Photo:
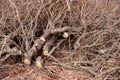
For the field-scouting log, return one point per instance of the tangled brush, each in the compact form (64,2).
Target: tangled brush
(80,35)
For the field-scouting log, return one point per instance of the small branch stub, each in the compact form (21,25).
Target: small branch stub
(46,53)
(20,53)
(15,49)
(65,35)
(43,39)
(36,44)
(102,51)
(26,61)
(38,62)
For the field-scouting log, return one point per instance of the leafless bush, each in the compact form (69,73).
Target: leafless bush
(81,35)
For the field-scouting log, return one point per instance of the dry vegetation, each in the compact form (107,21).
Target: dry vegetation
(60,39)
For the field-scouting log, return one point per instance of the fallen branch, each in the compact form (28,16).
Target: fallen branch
(47,46)
(39,43)
(9,50)
(39,62)
(13,51)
